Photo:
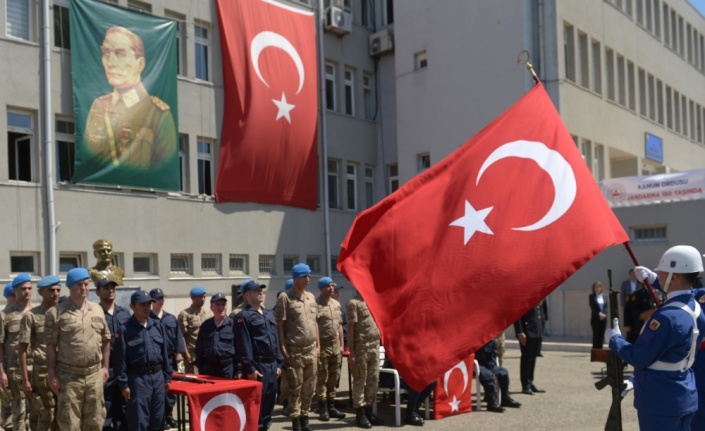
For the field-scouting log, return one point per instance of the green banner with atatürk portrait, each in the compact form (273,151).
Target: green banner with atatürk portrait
(124,91)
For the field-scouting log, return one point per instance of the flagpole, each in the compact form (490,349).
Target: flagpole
(324,134)
(524,59)
(649,288)
(48,147)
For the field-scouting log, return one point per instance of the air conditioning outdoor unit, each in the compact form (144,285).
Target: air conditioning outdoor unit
(381,42)
(338,21)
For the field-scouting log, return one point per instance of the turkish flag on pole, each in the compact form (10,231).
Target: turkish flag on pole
(268,150)
(453,394)
(464,249)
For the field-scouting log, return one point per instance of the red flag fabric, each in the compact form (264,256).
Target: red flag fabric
(464,249)
(268,151)
(223,404)
(453,393)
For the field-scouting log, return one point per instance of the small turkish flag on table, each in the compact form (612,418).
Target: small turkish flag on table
(221,403)
(453,394)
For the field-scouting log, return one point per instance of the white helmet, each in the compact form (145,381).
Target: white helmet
(681,259)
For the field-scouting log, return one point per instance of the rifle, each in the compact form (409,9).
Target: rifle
(615,367)
(190,379)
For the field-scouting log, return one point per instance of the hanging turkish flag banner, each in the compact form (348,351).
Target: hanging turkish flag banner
(453,393)
(268,151)
(467,247)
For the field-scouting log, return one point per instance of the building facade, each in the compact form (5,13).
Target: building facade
(404,84)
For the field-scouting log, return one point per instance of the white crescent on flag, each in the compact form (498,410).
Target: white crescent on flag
(224,400)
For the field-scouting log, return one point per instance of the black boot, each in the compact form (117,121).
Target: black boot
(493,405)
(333,412)
(285,409)
(413,418)
(508,401)
(374,420)
(304,423)
(323,410)
(361,419)
(295,424)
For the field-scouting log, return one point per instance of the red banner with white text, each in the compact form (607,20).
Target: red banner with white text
(268,151)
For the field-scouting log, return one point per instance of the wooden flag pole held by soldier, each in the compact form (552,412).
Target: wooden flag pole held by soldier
(649,287)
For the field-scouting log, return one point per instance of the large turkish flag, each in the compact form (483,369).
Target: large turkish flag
(453,393)
(464,249)
(268,150)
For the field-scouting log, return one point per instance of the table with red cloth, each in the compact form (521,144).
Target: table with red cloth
(219,404)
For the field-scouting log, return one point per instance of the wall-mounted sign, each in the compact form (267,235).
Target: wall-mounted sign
(653,148)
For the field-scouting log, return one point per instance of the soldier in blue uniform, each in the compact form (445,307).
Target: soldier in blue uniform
(175,346)
(258,347)
(699,367)
(142,367)
(116,316)
(215,345)
(486,357)
(665,393)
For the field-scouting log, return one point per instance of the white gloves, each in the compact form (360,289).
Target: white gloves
(615,328)
(630,386)
(643,273)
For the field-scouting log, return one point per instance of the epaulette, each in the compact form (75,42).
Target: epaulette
(159,103)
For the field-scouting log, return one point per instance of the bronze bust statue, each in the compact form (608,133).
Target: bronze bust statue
(105,268)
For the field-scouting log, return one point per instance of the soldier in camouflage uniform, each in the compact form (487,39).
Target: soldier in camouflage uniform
(330,332)
(33,353)
(363,339)
(190,320)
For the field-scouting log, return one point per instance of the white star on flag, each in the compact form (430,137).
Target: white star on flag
(473,221)
(454,404)
(284,108)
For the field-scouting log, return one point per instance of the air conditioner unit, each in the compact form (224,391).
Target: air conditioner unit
(338,21)
(381,42)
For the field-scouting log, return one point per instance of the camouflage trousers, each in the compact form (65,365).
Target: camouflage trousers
(80,405)
(19,400)
(301,379)
(43,403)
(365,374)
(328,372)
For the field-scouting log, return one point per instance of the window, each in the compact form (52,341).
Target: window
(677,110)
(139,6)
(420,60)
(202,46)
(65,150)
(609,73)
(657,19)
(631,85)
(330,86)
(24,262)
(314,262)
(69,261)
(681,43)
(628,7)
(596,67)
(689,44)
(205,168)
(659,102)
(393,171)
(648,234)
(583,58)
(586,151)
(369,187)
(144,263)
(621,81)
(666,26)
(684,115)
(20,137)
(183,162)
(180,38)
(351,185)
(691,110)
(648,17)
(569,51)
(367,97)
(334,263)
(18,19)
(239,264)
(266,265)
(423,161)
(365,14)
(62,37)
(389,11)
(181,264)
(333,184)
(652,97)
(640,11)
(349,92)
(598,162)
(289,261)
(642,92)
(674,30)
(669,107)
(210,264)
(699,118)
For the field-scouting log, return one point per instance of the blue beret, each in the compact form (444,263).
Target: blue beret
(324,281)
(49,280)
(140,296)
(197,291)
(218,297)
(300,270)
(9,291)
(21,279)
(289,283)
(75,275)
(251,285)
(156,293)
